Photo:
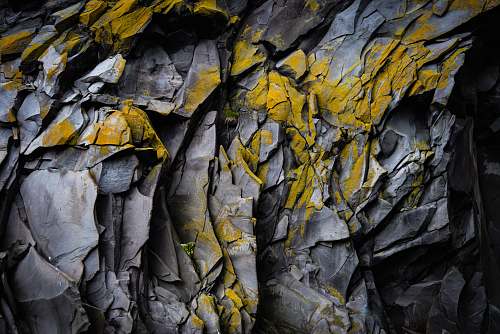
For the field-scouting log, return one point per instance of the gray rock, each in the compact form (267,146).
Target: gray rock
(299,166)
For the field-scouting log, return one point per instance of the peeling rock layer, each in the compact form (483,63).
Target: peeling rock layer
(279,166)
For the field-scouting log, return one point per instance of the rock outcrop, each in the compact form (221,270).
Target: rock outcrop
(235,166)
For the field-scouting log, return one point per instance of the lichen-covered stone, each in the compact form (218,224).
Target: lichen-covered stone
(300,166)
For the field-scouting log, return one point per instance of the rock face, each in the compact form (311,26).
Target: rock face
(234,166)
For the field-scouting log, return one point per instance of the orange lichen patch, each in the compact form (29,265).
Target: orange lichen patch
(197,322)
(56,68)
(380,54)
(229,277)
(234,19)
(10,85)
(297,101)
(427,77)
(38,45)
(92,11)
(313,5)
(248,171)
(294,64)
(9,89)
(298,184)
(209,8)
(207,80)
(231,294)
(359,94)
(416,193)
(68,42)
(226,231)
(114,131)
(132,23)
(449,68)
(205,240)
(266,137)
(437,76)
(305,197)
(336,293)
(143,134)
(339,100)
(248,161)
(233,324)
(256,34)
(245,55)
(121,8)
(262,171)
(239,291)
(427,26)
(225,167)
(361,99)
(298,145)
(312,110)
(421,30)
(352,181)
(16,42)
(59,134)
(283,99)
(119,25)
(166,6)
(127,26)
(255,143)
(318,68)
(473,7)
(403,72)
(256,99)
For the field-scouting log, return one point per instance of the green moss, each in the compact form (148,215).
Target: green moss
(229,113)
(189,248)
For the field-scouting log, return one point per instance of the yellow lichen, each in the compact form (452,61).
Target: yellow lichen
(226,231)
(277,98)
(231,294)
(297,187)
(16,42)
(296,62)
(312,110)
(298,145)
(92,11)
(59,134)
(313,5)
(142,132)
(114,131)
(336,293)
(256,99)
(245,55)
(355,178)
(207,80)
(197,322)
(209,8)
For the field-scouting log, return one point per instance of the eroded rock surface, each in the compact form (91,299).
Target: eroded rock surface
(268,166)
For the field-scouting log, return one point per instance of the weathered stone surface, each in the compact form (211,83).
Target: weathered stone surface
(299,166)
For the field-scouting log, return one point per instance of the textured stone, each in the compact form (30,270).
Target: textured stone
(299,166)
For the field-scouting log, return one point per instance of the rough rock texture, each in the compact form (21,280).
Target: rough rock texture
(234,166)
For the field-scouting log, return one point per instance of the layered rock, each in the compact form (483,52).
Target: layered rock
(300,166)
